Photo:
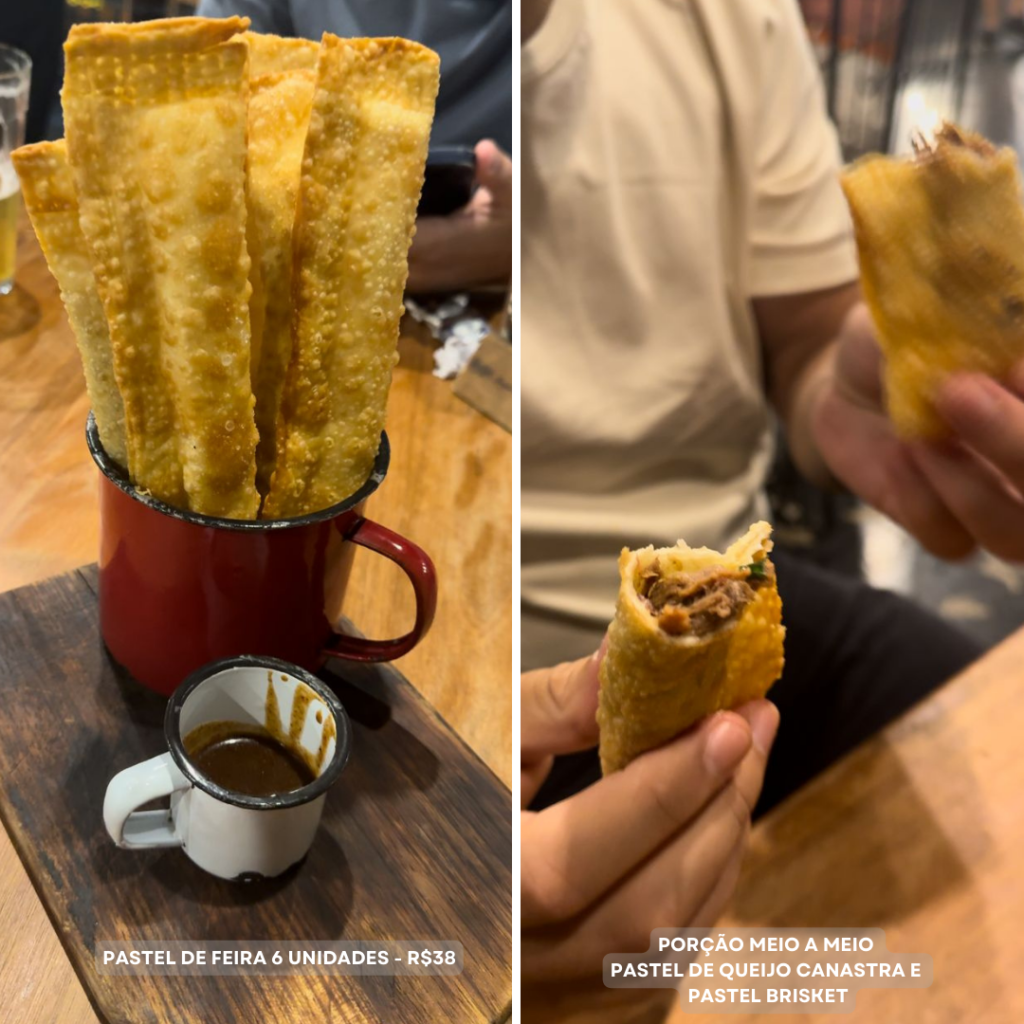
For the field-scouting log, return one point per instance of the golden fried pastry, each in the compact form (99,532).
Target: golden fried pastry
(361,178)
(48,188)
(695,631)
(941,242)
(270,55)
(279,108)
(229,223)
(156,120)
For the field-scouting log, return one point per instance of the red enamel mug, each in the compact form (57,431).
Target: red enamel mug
(178,589)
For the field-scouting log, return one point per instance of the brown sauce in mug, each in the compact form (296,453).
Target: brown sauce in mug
(261,760)
(250,763)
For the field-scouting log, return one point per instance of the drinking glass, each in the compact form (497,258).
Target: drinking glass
(15,73)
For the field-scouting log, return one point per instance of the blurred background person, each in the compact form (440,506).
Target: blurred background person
(689,275)
(473,246)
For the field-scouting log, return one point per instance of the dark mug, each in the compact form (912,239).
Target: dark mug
(179,589)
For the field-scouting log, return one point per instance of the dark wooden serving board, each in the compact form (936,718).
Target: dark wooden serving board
(415,841)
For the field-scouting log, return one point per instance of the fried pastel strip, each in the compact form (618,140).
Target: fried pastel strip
(270,55)
(156,128)
(48,188)
(655,683)
(362,173)
(279,108)
(941,243)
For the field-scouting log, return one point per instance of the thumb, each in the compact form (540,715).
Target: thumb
(559,708)
(494,171)
(858,364)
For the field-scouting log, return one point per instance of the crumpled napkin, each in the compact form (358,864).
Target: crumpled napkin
(460,334)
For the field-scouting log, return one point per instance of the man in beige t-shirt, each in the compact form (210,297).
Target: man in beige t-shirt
(688,273)
(675,163)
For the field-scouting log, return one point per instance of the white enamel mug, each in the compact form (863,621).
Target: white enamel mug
(234,835)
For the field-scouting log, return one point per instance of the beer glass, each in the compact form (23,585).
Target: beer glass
(15,72)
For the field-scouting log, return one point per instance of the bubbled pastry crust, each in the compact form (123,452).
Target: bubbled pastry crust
(655,686)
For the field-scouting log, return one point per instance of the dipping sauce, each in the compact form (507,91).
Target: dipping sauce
(247,759)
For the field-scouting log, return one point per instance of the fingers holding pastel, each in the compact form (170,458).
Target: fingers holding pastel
(656,844)
(866,456)
(988,418)
(559,707)
(980,497)
(979,476)
(625,816)
(558,716)
(859,360)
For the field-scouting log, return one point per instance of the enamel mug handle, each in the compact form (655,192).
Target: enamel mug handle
(418,567)
(135,786)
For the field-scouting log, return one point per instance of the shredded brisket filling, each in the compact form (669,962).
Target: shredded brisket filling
(698,603)
(950,134)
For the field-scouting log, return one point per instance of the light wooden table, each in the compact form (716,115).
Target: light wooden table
(449,489)
(919,831)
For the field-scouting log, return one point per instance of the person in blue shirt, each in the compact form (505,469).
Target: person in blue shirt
(473,246)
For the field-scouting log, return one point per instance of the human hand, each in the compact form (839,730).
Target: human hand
(658,844)
(472,246)
(952,496)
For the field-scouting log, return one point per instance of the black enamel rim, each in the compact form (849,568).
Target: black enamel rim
(113,472)
(323,782)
